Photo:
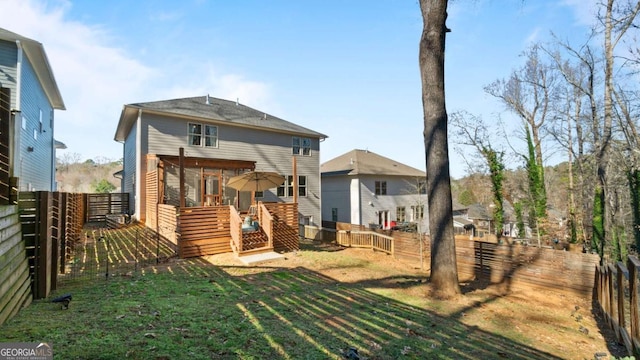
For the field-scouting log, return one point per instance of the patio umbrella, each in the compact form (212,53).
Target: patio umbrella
(256,181)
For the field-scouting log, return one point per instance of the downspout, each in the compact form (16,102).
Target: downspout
(18,76)
(138,175)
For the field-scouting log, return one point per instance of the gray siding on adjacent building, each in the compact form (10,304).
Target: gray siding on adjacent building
(35,168)
(270,150)
(401,192)
(335,194)
(8,71)
(129,168)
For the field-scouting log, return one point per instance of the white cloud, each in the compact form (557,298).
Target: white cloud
(97,76)
(584,11)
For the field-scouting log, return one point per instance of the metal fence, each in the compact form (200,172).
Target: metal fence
(102,253)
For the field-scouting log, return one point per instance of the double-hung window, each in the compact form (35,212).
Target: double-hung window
(401,214)
(300,146)
(381,188)
(286,189)
(203,135)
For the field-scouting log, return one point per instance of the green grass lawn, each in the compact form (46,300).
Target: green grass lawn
(191,309)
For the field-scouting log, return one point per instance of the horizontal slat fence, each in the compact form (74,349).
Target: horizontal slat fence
(15,287)
(510,264)
(204,230)
(286,235)
(100,205)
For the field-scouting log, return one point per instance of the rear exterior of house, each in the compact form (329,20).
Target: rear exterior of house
(364,188)
(28,97)
(220,139)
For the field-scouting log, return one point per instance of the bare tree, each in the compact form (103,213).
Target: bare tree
(618,18)
(471,131)
(444,273)
(529,93)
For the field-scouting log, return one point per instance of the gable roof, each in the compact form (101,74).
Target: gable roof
(365,162)
(34,51)
(212,110)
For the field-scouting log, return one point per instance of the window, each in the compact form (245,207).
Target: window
(41,120)
(35,134)
(210,136)
(259,194)
(302,186)
(422,187)
(334,214)
(24,123)
(301,146)
(286,189)
(401,215)
(418,212)
(381,188)
(196,135)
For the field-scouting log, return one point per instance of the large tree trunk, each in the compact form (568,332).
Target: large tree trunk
(444,272)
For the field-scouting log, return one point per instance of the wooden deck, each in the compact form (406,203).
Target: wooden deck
(209,230)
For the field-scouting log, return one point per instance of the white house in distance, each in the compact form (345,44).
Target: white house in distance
(364,188)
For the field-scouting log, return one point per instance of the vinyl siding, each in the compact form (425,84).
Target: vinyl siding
(271,151)
(35,168)
(336,194)
(129,168)
(337,191)
(8,71)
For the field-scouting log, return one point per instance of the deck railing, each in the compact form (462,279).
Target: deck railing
(236,230)
(266,222)
(366,239)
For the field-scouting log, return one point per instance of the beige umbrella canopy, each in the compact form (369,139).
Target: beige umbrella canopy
(256,181)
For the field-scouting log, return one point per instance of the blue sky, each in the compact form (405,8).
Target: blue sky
(348,69)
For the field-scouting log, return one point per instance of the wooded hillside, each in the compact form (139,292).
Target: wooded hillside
(76,175)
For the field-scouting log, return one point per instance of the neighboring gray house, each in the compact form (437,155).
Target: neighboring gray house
(474,219)
(361,187)
(220,139)
(28,97)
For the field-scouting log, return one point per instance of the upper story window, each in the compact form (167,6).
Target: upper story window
(381,188)
(203,135)
(286,189)
(301,146)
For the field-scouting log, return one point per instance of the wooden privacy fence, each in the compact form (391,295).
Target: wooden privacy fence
(51,225)
(101,205)
(509,264)
(617,296)
(15,287)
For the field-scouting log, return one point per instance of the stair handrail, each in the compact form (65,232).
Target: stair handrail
(266,222)
(235,222)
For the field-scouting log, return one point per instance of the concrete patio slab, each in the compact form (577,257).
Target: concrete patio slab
(262,257)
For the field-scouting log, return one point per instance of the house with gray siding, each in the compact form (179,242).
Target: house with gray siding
(219,139)
(29,95)
(364,188)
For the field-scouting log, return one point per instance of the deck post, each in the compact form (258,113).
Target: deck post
(183,201)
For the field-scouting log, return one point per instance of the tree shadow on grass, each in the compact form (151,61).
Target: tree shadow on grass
(203,311)
(299,313)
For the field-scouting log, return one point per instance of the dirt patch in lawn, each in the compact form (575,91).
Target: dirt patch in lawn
(558,324)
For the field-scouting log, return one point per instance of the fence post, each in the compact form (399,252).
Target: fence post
(633,300)
(481,260)
(135,270)
(620,281)
(43,245)
(157,247)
